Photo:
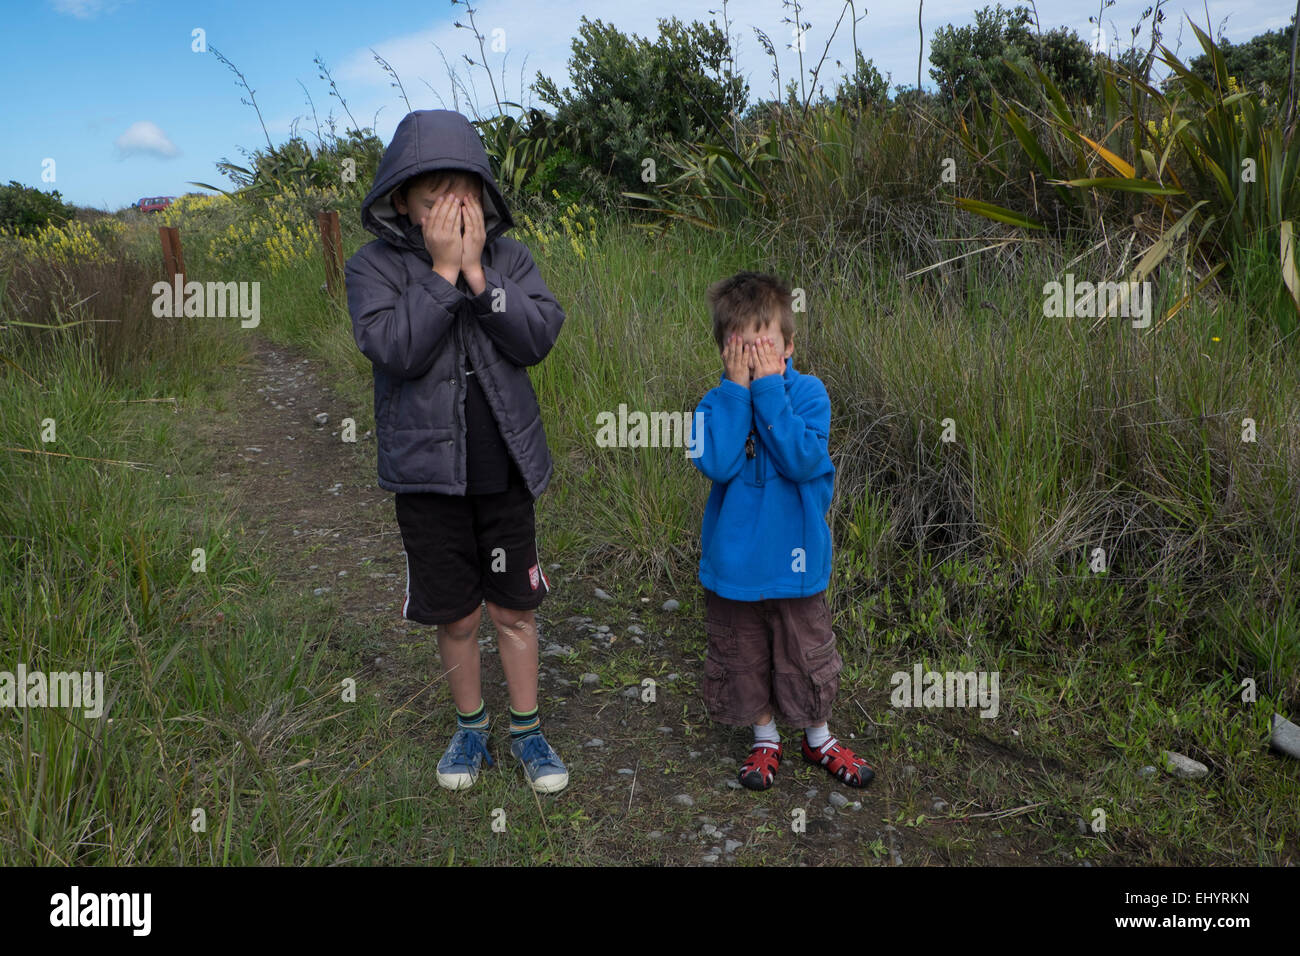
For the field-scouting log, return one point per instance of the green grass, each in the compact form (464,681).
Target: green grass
(964,555)
(974,554)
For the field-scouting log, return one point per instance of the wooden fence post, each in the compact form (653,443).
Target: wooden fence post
(331,241)
(174,263)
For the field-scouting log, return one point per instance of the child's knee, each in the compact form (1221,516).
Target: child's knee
(466,627)
(516,624)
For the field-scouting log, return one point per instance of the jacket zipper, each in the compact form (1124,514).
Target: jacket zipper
(461,387)
(754,452)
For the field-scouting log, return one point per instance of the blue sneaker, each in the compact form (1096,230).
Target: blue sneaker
(542,765)
(459,766)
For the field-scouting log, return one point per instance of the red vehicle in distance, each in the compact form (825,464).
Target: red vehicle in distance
(156,204)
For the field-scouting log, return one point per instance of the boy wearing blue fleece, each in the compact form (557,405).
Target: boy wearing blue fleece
(766,547)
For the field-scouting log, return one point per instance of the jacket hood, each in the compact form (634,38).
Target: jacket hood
(425,141)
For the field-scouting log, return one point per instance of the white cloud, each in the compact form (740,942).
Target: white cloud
(145,137)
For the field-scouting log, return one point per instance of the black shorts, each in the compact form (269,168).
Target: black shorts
(464,549)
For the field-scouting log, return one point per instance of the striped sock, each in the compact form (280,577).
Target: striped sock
(475,721)
(524,725)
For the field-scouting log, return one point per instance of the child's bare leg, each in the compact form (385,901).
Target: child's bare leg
(517,643)
(458,646)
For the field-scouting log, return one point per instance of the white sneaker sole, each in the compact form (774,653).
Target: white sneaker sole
(552,784)
(456,781)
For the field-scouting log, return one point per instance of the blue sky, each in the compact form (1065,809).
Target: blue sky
(112,92)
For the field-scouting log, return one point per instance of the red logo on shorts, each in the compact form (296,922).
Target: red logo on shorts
(534,577)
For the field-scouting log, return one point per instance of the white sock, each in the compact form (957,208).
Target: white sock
(817,735)
(766,733)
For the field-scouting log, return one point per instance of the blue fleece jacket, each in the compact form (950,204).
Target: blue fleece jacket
(764,533)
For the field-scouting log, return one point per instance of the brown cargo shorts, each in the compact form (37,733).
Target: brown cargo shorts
(777,655)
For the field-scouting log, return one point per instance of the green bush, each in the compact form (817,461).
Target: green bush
(973,60)
(866,86)
(1261,63)
(25,211)
(295,165)
(630,95)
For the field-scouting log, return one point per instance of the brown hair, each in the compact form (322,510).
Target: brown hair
(435,177)
(749,299)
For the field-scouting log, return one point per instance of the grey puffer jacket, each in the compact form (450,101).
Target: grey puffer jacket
(418,330)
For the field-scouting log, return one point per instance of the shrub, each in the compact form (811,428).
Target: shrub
(995,52)
(630,95)
(24,211)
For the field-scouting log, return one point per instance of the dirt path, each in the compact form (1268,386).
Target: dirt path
(656,778)
(310,494)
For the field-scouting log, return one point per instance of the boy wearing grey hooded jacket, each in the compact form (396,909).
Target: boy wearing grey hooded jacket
(451,313)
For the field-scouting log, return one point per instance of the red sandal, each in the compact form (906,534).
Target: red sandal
(840,762)
(759,768)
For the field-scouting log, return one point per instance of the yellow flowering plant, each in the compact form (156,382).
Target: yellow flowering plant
(75,241)
(277,233)
(574,226)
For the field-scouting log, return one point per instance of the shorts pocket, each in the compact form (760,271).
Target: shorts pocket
(804,697)
(714,687)
(825,679)
(817,657)
(820,655)
(722,641)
